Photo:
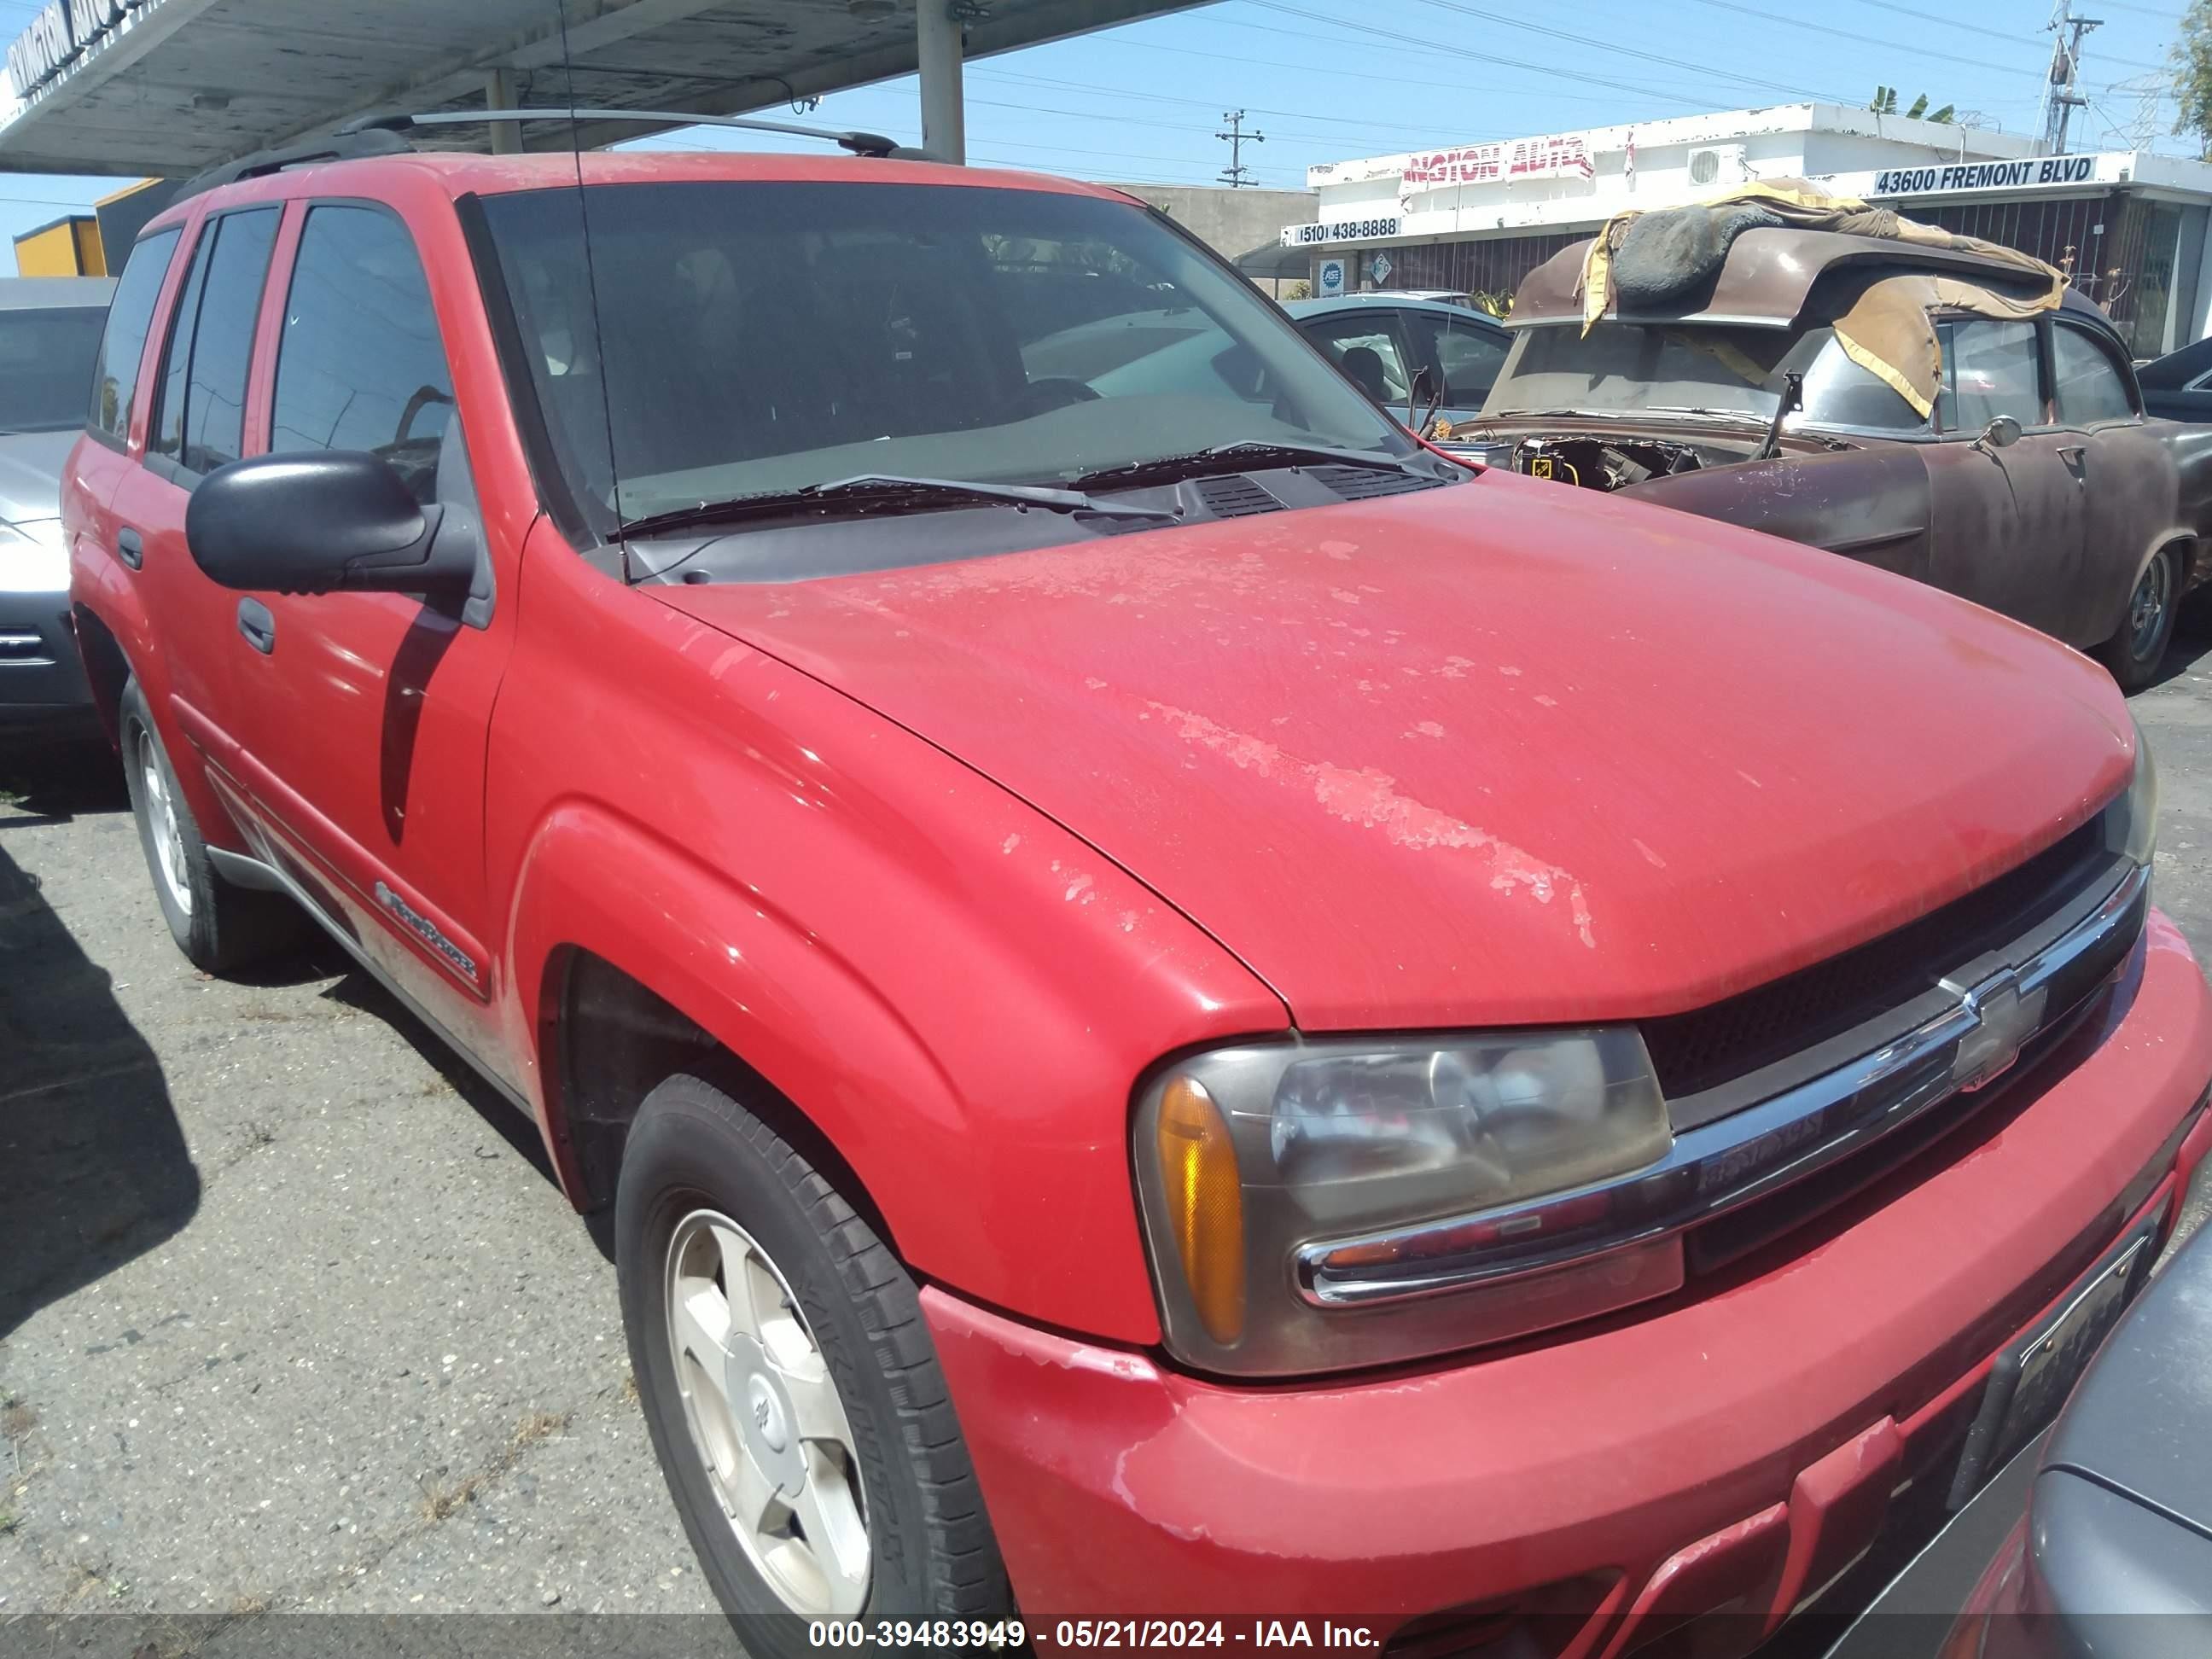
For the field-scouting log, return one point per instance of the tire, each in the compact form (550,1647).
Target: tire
(219,927)
(2138,646)
(709,1194)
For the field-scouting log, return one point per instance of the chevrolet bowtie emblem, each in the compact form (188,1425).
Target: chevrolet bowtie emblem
(2004,1019)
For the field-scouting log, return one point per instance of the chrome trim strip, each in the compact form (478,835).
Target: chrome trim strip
(1723,1165)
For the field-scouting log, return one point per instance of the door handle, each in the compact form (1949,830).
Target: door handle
(130,549)
(258,625)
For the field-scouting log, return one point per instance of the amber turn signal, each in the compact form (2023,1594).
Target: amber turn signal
(1205,1204)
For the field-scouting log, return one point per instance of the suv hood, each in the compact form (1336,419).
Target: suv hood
(1498,753)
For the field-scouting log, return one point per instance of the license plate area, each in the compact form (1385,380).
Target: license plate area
(2030,1380)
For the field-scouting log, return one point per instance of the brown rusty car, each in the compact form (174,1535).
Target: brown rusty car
(2035,485)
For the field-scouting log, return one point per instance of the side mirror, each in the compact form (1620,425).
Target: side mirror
(1424,395)
(320,521)
(2002,433)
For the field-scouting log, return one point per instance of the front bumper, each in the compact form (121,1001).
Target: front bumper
(1738,1446)
(41,675)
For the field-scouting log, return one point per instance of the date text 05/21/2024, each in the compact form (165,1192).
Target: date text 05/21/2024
(902,1635)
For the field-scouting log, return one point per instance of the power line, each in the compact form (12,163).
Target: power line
(1500,20)
(1919,16)
(1233,175)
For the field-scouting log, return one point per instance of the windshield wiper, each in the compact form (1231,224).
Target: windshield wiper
(874,492)
(1236,457)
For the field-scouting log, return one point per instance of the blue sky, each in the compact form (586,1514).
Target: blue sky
(1325,79)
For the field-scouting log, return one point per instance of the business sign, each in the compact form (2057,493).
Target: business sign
(1331,282)
(1986,175)
(1341,230)
(59,32)
(1565,156)
(1380,268)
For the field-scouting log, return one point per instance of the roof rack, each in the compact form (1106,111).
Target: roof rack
(344,146)
(861,143)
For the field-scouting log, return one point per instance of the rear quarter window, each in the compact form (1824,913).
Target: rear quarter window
(122,345)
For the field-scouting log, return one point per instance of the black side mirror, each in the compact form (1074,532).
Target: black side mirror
(319,521)
(1424,394)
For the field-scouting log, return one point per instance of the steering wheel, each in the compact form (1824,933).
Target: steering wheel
(1054,392)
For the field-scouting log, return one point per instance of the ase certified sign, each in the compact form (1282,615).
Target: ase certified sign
(1341,230)
(1332,279)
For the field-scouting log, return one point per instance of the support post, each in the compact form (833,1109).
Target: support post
(499,93)
(937,57)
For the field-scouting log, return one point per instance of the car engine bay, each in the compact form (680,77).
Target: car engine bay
(1602,464)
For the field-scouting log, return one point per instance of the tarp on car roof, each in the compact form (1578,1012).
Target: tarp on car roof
(1638,259)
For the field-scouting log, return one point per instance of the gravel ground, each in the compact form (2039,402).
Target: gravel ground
(291,1315)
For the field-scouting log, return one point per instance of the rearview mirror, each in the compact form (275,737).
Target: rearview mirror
(2002,433)
(320,521)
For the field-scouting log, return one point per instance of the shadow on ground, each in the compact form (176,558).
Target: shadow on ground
(93,1166)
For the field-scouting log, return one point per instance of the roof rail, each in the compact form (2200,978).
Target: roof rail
(861,143)
(344,146)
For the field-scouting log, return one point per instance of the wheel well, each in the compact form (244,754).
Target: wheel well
(106,668)
(612,1039)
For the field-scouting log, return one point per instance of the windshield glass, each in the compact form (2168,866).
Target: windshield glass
(760,337)
(46,367)
(1627,368)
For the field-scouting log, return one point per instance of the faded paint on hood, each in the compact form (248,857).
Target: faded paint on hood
(1494,754)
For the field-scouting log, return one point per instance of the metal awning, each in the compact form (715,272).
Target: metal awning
(170,87)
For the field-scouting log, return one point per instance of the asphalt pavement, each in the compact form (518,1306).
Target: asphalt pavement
(292,1316)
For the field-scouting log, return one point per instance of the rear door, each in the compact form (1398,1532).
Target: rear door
(365,715)
(2007,519)
(195,398)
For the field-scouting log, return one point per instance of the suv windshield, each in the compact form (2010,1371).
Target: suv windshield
(756,338)
(1627,368)
(46,367)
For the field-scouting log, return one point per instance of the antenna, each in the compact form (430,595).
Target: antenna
(2062,96)
(591,292)
(1237,138)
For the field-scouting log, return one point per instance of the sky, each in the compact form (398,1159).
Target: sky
(1327,80)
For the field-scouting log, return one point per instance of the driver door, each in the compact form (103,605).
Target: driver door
(2007,521)
(364,717)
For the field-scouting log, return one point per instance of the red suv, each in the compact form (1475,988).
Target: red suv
(1186,1007)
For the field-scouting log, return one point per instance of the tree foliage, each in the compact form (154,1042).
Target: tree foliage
(2191,59)
(1885,102)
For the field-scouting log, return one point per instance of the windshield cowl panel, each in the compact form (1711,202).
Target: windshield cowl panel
(758,338)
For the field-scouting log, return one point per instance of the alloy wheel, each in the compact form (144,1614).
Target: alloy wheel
(2147,609)
(161,820)
(765,1417)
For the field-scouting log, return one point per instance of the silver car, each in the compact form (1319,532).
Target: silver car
(50,329)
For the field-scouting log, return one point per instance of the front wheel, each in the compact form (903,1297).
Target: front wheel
(789,1382)
(2134,653)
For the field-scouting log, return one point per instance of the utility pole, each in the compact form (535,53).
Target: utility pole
(2061,95)
(1236,137)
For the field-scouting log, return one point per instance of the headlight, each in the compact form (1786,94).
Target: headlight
(34,558)
(1273,1176)
(2131,821)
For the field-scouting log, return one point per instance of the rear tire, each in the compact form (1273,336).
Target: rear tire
(220,926)
(2135,650)
(816,1377)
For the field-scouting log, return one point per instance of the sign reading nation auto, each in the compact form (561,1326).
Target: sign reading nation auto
(1555,157)
(61,30)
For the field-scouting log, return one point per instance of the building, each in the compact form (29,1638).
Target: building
(1239,224)
(67,246)
(2132,226)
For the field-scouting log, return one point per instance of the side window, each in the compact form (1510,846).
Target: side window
(1469,356)
(1366,348)
(2089,385)
(361,366)
(200,421)
(1989,370)
(130,318)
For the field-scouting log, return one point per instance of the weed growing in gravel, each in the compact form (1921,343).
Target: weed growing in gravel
(445,1498)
